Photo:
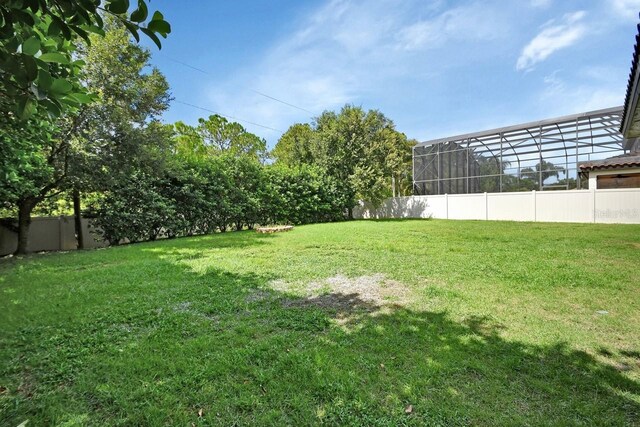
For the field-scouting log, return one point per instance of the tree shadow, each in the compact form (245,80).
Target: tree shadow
(455,373)
(399,207)
(194,246)
(250,354)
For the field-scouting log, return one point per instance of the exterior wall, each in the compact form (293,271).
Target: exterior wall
(51,234)
(593,175)
(600,206)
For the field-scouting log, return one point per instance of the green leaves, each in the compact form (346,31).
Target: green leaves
(81,98)
(159,25)
(152,36)
(26,107)
(30,67)
(38,38)
(118,6)
(141,13)
(54,57)
(60,87)
(31,46)
(44,79)
(156,26)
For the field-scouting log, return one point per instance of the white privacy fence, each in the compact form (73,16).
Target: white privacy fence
(600,206)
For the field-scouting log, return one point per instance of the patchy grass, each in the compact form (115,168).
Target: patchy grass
(470,323)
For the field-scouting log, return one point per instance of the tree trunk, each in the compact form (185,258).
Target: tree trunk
(24,221)
(77,219)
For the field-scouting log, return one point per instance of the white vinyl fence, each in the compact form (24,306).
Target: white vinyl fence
(600,206)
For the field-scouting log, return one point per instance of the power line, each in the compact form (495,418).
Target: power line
(187,65)
(252,90)
(281,101)
(226,115)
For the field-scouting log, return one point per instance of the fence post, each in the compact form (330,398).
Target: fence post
(535,206)
(486,206)
(446,206)
(594,204)
(60,233)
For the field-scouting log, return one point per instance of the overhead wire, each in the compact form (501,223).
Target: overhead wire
(227,115)
(273,98)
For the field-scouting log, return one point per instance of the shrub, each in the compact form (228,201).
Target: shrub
(135,210)
(201,196)
(302,195)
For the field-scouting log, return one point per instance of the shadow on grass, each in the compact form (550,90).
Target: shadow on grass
(247,354)
(231,239)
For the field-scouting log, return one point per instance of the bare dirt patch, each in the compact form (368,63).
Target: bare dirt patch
(187,307)
(258,295)
(348,296)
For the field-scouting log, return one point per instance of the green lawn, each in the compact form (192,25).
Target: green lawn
(470,323)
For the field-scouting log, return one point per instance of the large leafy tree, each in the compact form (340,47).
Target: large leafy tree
(96,145)
(296,146)
(34,157)
(130,95)
(216,135)
(118,134)
(38,39)
(361,149)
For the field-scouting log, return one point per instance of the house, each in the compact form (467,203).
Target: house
(622,171)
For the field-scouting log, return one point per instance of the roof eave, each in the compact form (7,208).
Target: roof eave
(631,114)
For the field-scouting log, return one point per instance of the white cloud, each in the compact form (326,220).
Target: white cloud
(554,83)
(347,50)
(541,3)
(591,88)
(553,37)
(462,23)
(627,9)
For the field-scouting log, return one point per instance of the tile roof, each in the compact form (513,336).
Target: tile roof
(624,161)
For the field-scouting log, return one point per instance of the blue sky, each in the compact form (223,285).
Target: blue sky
(436,68)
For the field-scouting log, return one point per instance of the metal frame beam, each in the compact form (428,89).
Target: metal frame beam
(562,141)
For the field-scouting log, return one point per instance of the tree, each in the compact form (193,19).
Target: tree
(361,149)
(536,176)
(296,146)
(386,165)
(38,41)
(30,158)
(399,161)
(118,133)
(110,133)
(216,135)
(94,146)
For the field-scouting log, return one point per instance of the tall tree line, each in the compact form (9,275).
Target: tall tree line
(361,149)
(140,178)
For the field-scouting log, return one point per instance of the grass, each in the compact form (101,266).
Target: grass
(470,323)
